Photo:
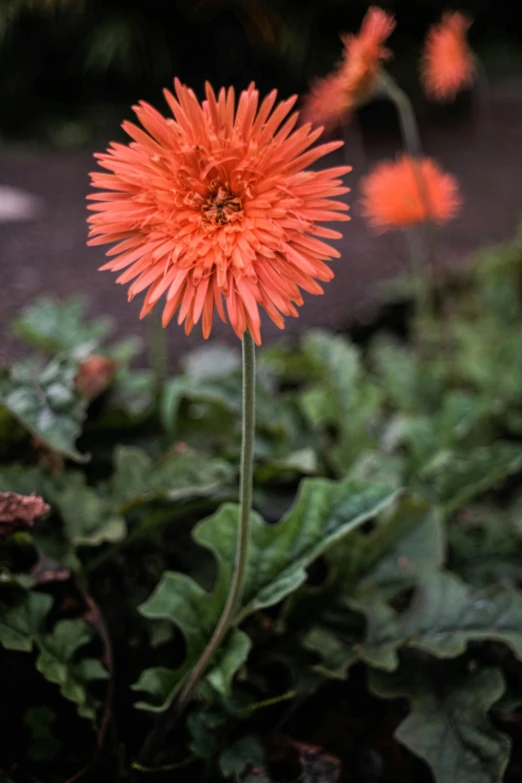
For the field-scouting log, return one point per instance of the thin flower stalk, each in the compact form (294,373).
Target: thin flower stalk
(217,209)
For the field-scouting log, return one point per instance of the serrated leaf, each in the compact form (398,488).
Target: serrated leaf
(454,479)
(139,479)
(406,540)
(46,403)
(421,548)
(335,653)
(342,396)
(89,519)
(366,569)
(22,623)
(324,512)
(57,662)
(448,725)
(486,544)
(56,326)
(444,616)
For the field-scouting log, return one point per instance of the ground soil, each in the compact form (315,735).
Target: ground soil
(48,255)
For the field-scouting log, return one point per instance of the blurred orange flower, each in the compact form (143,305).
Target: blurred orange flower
(448,65)
(218,206)
(334,98)
(401,193)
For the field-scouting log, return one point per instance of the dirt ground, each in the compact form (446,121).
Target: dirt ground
(48,254)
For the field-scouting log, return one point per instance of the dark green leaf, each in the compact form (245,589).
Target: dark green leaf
(448,725)
(402,542)
(45,401)
(444,616)
(244,753)
(139,479)
(58,664)
(454,479)
(56,326)
(22,623)
(278,556)
(89,519)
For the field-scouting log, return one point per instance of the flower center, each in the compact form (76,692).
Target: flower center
(222,207)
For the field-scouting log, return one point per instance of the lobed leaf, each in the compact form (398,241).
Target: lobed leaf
(22,623)
(58,664)
(444,616)
(448,725)
(279,554)
(179,475)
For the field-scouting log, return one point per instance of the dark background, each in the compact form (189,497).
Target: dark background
(70,68)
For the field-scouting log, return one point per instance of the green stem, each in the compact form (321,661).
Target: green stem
(354,150)
(421,239)
(243,531)
(157,348)
(482,99)
(416,252)
(168,719)
(408,123)
(418,242)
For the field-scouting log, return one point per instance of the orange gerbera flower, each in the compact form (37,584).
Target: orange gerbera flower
(407,191)
(448,64)
(216,207)
(334,98)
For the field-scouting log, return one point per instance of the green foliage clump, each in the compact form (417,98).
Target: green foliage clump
(380,631)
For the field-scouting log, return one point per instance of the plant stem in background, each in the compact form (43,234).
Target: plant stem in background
(417,241)
(418,237)
(416,245)
(408,122)
(354,150)
(157,349)
(482,99)
(243,531)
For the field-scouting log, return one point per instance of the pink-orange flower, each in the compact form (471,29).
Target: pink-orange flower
(217,207)
(19,512)
(448,65)
(334,98)
(401,193)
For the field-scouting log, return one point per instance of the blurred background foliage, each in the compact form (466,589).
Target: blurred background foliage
(70,67)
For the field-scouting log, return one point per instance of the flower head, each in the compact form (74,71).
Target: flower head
(334,98)
(216,209)
(19,512)
(447,62)
(407,191)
